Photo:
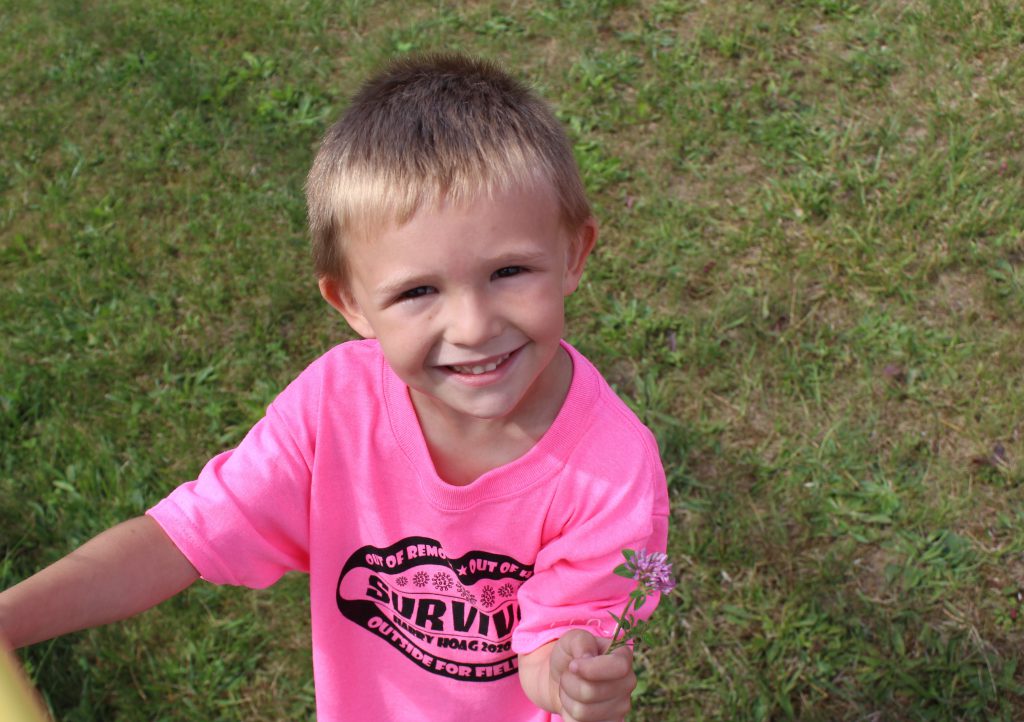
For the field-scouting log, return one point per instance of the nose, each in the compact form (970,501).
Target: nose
(471,320)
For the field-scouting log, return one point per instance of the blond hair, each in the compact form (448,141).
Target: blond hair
(431,129)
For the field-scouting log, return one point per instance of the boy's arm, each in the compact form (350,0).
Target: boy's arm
(573,678)
(123,571)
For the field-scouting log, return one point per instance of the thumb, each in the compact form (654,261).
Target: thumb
(581,644)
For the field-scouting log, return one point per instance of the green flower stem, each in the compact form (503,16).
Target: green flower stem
(616,643)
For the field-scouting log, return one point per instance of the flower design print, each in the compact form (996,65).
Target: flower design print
(467,595)
(442,581)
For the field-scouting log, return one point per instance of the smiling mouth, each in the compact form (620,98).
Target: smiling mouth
(478,369)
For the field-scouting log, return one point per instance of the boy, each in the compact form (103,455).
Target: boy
(459,484)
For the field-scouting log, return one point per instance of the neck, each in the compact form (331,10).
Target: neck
(463,448)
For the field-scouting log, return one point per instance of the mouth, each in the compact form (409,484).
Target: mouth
(477,369)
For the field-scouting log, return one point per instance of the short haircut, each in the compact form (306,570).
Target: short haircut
(430,129)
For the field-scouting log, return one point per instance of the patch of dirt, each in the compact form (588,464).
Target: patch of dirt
(868,575)
(955,294)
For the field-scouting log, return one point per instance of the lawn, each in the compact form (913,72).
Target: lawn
(809,283)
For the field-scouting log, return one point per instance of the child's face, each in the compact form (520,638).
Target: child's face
(467,301)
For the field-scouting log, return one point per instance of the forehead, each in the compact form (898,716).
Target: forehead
(526,213)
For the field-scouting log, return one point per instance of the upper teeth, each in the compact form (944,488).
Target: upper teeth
(481,369)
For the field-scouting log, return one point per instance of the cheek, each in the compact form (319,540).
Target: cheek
(406,349)
(543,311)
(552,298)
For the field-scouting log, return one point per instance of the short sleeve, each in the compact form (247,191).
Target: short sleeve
(245,519)
(623,506)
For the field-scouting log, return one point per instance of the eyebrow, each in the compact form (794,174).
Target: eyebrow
(393,287)
(514,258)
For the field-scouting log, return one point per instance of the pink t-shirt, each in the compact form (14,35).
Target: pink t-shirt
(422,593)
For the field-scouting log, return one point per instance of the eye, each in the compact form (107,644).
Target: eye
(508,271)
(416,292)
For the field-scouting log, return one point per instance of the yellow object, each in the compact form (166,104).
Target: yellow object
(18,702)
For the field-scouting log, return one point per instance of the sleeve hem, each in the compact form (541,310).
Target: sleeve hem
(527,642)
(180,530)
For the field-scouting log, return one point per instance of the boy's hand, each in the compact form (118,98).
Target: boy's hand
(592,686)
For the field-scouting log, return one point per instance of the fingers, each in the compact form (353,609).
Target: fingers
(585,702)
(597,687)
(605,667)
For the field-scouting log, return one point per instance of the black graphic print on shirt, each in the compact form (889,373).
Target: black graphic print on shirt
(452,617)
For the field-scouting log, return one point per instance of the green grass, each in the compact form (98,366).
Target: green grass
(809,283)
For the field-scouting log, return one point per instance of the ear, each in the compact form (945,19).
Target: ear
(341,299)
(580,245)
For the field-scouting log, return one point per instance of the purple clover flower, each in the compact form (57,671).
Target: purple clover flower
(653,574)
(653,571)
